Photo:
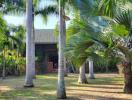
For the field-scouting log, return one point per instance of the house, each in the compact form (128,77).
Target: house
(46,51)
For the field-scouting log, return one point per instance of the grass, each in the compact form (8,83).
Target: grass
(104,87)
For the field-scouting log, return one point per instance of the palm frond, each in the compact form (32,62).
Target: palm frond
(46,11)
(124,18)
(109,7)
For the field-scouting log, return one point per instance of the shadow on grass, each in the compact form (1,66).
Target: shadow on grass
(103,81)
(96,91)
(103,87)
(93,97)
(72,98)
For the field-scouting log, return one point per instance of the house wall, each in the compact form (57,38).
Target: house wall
(46,50)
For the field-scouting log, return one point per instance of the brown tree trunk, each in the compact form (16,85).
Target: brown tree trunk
(127,77)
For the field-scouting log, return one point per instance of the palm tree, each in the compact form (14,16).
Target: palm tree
(125,18)
(19,7)
(85,12)
(53,9)
(29,39)
(61,93)
(18,43)
(84,34)
(62,42)
(4,43)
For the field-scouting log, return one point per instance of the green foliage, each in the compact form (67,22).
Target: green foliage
(76,50)
(46,11)
(120,30)
(2,24)
(13,62)
(12,47)
(84,40)
(109,7)
(105,64)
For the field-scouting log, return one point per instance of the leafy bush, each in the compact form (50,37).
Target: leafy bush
(13,61)
(105,65)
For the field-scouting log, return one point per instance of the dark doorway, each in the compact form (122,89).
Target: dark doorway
(54,59)
(48,58)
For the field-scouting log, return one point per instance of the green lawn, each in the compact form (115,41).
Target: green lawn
(104,87)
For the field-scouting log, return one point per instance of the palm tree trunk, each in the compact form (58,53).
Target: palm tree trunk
(4,72)
(91,72)
(64,43)
(4,65)
(82,77)
(65,68)
(33,45)
(61,93)
(127,77)
(29,61)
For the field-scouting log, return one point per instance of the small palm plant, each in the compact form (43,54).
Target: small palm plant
(85,34)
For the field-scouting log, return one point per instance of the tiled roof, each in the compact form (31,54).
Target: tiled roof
(45,36)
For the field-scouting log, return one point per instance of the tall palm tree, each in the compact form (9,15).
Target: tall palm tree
(54,9)
(19,8)
(61,92)
(29,39)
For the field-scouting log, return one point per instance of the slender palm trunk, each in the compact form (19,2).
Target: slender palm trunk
(16,66)
(65,68)
(33,46)
(4,65)
(82,77)
(64,41)
(127,77)
(29,61)
(91,72)
(4,72)
(61,93)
